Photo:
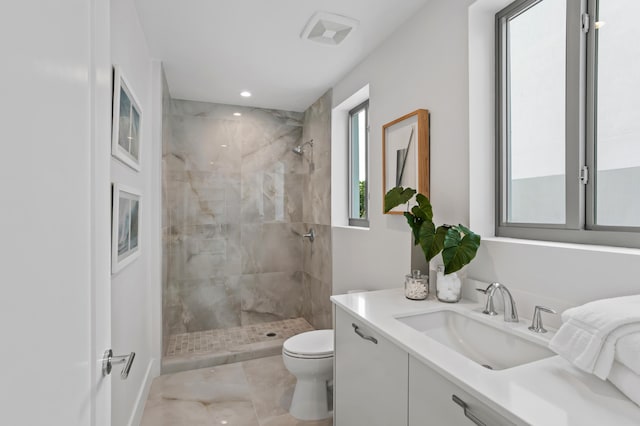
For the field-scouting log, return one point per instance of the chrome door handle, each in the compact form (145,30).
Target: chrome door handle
(364,336)
(467,411)
(108,360)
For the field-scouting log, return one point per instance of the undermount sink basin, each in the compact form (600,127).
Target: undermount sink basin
(488,346)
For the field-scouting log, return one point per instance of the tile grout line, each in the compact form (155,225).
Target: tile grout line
(253,405)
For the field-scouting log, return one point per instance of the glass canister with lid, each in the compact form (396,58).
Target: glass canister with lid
(416,285)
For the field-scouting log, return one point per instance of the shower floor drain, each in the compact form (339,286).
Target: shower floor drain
(271,334)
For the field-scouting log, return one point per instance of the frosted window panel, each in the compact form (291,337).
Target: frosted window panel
(536,99)
(618,114)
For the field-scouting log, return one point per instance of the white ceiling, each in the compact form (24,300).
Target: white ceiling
(214,49)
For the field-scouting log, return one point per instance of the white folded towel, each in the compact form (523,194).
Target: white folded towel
(626,380)
(628,352)
(589,333)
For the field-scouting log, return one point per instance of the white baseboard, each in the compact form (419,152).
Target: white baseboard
(138,408)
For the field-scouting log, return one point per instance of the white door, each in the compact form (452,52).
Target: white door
(54,212)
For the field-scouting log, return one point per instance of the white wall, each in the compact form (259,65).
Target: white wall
(136,290)
(422,65)
(428,64)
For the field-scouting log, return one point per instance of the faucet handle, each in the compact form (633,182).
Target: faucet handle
(536,323)
(489,309)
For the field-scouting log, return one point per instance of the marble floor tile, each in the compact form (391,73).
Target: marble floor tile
(289,420)
(193,413)
(271,386)
(249,393)
(208,385)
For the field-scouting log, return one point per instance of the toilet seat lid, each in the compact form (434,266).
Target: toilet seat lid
(315,343)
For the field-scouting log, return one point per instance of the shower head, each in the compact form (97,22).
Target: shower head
(298,149)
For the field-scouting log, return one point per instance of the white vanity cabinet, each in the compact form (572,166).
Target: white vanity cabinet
(371,382)
(431,401)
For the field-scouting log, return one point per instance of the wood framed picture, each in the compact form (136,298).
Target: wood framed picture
(405,154)
(125,227)
(127,122)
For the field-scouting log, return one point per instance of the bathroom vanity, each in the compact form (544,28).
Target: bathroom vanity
(401,362)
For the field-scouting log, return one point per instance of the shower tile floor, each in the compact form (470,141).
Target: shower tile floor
(200,349)
(250,393)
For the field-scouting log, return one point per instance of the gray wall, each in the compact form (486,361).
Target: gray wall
(234,216)
(167,130)
(316,212)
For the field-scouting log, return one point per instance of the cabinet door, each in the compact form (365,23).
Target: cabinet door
(431,401)
(371,382)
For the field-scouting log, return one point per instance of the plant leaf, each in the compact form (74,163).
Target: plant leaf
(397,196)
(438,242)
(415,223)
(423,209)
(459,251)
(427,237)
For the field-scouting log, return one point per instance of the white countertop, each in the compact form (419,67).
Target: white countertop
(548,392)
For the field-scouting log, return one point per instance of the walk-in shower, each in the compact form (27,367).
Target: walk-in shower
(238,278)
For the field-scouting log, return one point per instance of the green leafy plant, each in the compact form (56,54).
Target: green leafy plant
(458,244)
(363,193)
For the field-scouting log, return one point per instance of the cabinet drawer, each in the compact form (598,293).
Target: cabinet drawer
(431,401)
(371,382)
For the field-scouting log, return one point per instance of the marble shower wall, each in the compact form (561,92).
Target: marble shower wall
(233,200)
(316,213)
(167,134)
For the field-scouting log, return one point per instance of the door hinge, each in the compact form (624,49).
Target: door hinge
(584,175)
(585,22)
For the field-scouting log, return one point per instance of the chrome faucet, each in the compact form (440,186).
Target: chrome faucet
(536,322)
(489,309)
(510,311)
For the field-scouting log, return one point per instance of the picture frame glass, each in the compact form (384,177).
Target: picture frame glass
(125,227)
(402,157)
(127,122)
(405,153)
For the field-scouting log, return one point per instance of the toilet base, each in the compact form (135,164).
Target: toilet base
(310,400)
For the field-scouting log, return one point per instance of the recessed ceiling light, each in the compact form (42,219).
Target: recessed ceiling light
(245,94)
(224,146)
(237,114)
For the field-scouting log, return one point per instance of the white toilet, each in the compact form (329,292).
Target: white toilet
(309,357)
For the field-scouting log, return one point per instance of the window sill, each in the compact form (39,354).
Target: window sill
(357,228)
(568,246)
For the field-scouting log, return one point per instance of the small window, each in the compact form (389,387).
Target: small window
(358,171)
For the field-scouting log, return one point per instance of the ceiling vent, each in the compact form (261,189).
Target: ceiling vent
(328,28)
